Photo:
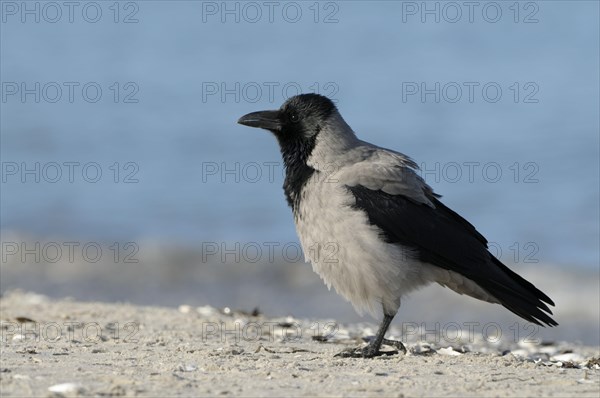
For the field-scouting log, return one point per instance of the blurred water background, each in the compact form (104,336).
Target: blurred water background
(498,103)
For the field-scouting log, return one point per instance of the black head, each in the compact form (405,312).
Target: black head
(296,125)
(300,117)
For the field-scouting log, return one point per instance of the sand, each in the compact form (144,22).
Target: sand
(67,348)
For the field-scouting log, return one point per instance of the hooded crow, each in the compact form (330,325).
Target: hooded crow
(386,231)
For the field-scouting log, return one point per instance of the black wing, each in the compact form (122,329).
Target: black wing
(441,237)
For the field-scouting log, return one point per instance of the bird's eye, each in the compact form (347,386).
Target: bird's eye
(294,118)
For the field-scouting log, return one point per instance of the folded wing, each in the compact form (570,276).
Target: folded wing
(405,208)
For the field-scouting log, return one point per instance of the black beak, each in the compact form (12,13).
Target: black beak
(268,120)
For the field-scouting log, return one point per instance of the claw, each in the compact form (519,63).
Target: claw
(369,352)
(395,343)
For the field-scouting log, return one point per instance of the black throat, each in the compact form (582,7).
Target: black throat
(295,152)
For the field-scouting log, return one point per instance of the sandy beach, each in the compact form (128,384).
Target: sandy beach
(150,235)
(65,347)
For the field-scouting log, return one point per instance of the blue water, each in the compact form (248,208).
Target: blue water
(171,133)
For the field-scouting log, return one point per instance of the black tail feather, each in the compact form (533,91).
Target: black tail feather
(520,296)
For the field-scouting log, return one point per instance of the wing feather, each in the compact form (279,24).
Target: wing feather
(439,236)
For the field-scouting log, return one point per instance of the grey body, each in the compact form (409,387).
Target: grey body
(343,247)
(370,225)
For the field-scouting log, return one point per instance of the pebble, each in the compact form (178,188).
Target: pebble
(67,389)
(18,337)
(422,348)
(448,351)
(207,310)
(185,309)
(186,367)
(570,357)
(521,354)
(586,381)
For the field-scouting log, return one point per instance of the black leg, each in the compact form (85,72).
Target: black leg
(372,350)
(375,344)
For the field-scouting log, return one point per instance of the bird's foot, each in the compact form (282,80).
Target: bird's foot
(395,343)
(371,352)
